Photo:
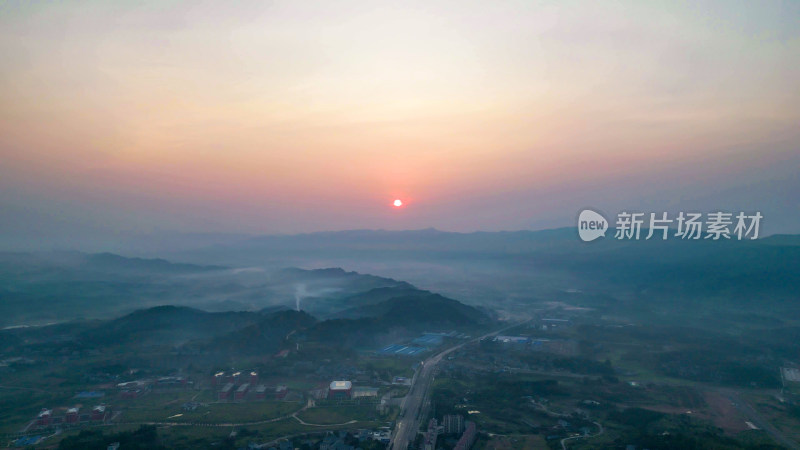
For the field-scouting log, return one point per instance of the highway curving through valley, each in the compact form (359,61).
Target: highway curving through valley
(408,421)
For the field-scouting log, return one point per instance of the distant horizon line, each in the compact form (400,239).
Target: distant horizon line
(405,230)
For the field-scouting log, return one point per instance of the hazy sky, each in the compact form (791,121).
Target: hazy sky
(258,117)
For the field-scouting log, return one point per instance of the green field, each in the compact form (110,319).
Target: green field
(340,414)
(214,413)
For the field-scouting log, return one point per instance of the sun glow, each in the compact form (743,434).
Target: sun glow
(398,203)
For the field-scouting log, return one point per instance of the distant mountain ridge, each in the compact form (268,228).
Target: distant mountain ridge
(391,317)
(409,240)
(114,261)
(401,310)
(359,307)
(264,336)
(267,331)
(168,323)
(406,305)
(38,288)
(767,268)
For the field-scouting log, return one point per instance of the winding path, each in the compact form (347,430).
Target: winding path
(599,432)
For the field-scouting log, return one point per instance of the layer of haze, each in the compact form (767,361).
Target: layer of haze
(264,117)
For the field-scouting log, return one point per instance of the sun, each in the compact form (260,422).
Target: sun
(397,203)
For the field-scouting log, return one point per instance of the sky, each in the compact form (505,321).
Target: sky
(284,117)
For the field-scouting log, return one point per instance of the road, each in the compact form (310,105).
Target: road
(226,424)
(599,432)
(756,418)
(408,421)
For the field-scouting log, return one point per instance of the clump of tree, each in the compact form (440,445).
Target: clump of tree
(144,438)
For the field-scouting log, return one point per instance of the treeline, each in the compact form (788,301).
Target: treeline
(659,431)
(711,367)
(145,438)
(580,365)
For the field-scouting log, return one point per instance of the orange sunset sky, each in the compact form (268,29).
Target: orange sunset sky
(283,117)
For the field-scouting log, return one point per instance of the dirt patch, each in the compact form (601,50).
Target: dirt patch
(723,414)
(718,410)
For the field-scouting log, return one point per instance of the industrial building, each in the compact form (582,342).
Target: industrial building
(99,413)
(133,389)
(468,438)
(225,392)
(364,391)
(241,392)
(44,417)
(320,392)
(402,381)
(25,441)
(453,424)
(790,374)
(170,383)
(133,384)
(429,437)
(260,392)
(429,340)
(72,415)
(131,393)
(218,379)
(90,394)
(513,339)
(340,389)
(235,377)
(402,350)
(549,323)
(280,392)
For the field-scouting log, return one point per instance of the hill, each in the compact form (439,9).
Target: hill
(408,307)
(325,292)
(513,271)
(402,315)
(114,262)
(397,318)
(38,288)
(167,325)
(264,336)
